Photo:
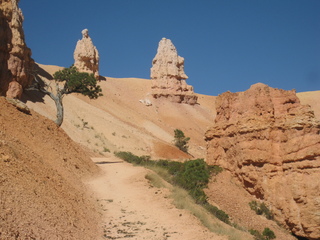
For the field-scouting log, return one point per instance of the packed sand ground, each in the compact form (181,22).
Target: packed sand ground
(134,209)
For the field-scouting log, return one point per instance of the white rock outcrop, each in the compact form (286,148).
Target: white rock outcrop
(86,55)
(168,76)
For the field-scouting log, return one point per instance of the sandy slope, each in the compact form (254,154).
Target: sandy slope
(41,170)
(312,99)
(119,121)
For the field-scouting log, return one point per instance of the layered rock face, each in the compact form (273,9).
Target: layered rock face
(271,144)
(16,63)
(168,77)
(86,55)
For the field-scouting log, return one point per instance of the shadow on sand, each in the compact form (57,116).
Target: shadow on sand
(106,162)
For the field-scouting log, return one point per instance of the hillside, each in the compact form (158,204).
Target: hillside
(41,189)
(119,121)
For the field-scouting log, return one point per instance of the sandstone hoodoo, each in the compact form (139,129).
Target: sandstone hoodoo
(168,76)
(271,144)
(16,63)
(86,55)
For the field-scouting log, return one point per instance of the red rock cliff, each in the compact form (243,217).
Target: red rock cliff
(15,56)
(271,144)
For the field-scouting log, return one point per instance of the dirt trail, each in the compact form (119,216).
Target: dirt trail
(132,209)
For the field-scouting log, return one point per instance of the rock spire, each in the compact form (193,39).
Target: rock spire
(16,63)
(86,55)
(168,76)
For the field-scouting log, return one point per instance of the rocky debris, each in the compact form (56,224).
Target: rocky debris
(146,102)
(271,144)
(14,90)
(86,55)
(16,63)
(21,106)
(168,76)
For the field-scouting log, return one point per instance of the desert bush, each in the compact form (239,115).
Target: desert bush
(218,213)
(131,158)
(268,233)
(215,170)
(257,235)
(180,141)
(106,149)
(261,209)
(194,174)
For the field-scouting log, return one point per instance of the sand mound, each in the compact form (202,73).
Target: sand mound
(41,193)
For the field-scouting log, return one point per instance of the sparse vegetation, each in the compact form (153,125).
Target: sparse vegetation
(261,209)
(105,149)
(192,175)
(84,123)
(267,234)
(180,141)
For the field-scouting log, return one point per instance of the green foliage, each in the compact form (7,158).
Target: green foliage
(257,235)
(268,233)
(180,141)
(195,174)
(131,158)
(78,82)
(106,149)
(192,175)
(261,209)
(218,213)
(215,170)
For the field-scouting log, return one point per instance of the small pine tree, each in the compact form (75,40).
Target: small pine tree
(180,141)
(69,80)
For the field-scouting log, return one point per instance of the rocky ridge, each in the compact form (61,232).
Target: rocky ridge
(86,55)
(16,63)
(168,76)
(271,144)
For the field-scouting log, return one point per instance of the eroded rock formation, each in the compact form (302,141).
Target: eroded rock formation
(271,144)
(86,55)
(168,77)
(16,63)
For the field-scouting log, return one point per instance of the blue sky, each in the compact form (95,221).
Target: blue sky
(228,45)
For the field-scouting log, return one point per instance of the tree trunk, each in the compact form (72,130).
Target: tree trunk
(58,102)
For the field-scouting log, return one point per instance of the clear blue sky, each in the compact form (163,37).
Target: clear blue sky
(227,44)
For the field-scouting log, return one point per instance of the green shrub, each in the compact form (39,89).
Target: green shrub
(180,141)
(106,149)
(194,174)
(257,235)
(218,213)
(268,233)
(261,209)
(215,170)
